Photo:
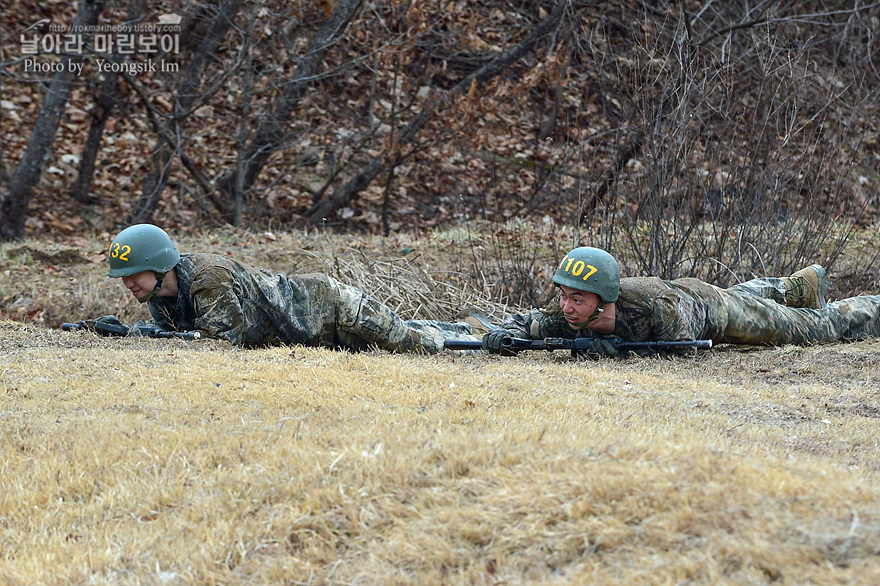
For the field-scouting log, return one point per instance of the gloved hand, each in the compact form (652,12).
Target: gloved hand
(602,347)
(494,342)
(109,319)
(115,321)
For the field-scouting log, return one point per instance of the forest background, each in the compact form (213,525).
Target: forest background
(712,139)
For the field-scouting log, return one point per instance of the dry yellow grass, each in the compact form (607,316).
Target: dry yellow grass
(169,462)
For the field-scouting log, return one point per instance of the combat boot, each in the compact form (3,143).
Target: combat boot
(806,288)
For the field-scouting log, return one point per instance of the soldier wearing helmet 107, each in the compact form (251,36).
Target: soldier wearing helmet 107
(588,281)
(220,297)
(594,301)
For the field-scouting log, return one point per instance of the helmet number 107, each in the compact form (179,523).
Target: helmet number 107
(578,268)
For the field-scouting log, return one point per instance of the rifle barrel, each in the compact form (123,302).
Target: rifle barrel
(462,344)
(573,344)
(182,335)
(157,332)
(701,344)
(123,330)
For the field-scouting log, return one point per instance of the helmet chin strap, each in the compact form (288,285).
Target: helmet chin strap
(599,309)
(155,291)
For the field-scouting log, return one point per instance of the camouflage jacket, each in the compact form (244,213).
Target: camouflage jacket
(754,312)
(225,298)
(648,308)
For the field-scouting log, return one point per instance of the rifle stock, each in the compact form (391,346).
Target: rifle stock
(581,345)
(122,330)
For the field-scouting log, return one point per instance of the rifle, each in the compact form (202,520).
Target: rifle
(580,345)
(113,329)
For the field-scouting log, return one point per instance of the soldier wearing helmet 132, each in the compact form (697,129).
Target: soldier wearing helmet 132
(227,299)
(142,256)
(595,301)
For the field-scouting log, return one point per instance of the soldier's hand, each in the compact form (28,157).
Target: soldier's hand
(112,320)
(109,319)
(498,342)
(602,347)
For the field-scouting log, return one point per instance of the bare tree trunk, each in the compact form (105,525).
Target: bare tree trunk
(326,207)
(14,203)
(241,140)
(165,148)
(270,133)
(104,105)
(3,176)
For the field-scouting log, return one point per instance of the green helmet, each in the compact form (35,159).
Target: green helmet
(590,269)
(142,247)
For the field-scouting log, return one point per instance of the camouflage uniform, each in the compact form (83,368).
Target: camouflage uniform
(224,298)
(754,312)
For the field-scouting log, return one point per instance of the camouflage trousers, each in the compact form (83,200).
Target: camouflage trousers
(362,321)
(754,312)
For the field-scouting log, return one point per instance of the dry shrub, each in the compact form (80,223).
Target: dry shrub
(420,277)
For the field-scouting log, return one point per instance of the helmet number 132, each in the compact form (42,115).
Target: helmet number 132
(122,252)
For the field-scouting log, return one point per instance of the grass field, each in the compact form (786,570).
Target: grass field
(148,461)
(131,461)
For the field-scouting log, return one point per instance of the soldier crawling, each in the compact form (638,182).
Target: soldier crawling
(595,301)
(227,299)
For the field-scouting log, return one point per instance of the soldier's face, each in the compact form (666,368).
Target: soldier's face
(140,284)
(577,306)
